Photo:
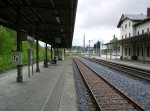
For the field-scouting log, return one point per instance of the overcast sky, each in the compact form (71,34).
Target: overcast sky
(98,19)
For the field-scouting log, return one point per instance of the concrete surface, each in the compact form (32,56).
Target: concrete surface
(50,90)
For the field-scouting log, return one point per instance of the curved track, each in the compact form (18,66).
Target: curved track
(106,96)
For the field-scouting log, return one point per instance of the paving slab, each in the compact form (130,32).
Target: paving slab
(43,91)
(68,100)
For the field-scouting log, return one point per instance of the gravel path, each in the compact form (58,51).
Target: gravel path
(138,90)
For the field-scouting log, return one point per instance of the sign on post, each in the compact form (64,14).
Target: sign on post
(30,61)
(17,58)
(30,57)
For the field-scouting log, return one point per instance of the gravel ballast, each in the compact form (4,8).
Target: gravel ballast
(133,87)
(83,97)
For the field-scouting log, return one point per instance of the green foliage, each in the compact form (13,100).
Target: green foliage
(79,54)
(68,54)
(41,53)
(8,45)
(6,40)
(97,45)
(25,47)
(114,42)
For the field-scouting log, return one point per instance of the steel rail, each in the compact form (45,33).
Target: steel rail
(106,95)
(137,72)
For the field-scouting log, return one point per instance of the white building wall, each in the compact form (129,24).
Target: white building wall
(126,28)
(140,46)
(133,30)
(141,27)
(126,54)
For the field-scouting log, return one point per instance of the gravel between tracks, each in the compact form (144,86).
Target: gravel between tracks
(138,90)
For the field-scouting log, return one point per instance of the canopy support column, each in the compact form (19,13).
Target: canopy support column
(51,52)
(46,60)
(19,67)
(37,56)
(64,52)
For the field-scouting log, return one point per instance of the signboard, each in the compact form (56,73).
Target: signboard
(17,58)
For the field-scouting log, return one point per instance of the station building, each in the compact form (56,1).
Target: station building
(135,36)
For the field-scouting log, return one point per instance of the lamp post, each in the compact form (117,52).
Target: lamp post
(89,47)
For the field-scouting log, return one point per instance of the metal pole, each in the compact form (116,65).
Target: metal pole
(122,50)
(32,68)
(32,60)
(96,49)
(29,71)
(143,51)
(116,50)
(106,51)
(131,51)
(89,47)
(45,61)
(110,51)
(51,52)
(64,52)
(57,51)
(37,56)
(29,63)
(100,49)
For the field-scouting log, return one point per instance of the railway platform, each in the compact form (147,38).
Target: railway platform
(51,89)
(133,63)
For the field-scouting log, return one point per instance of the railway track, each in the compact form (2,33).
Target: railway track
(106,96)
(137,72)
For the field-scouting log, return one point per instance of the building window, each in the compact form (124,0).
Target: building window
(129,34)
(138,32)
(129,24)
(147,51)
(122,36)
(125,26)
(126,36)
(125,51)
(129,51)
(147,29)
(142,31)
(138,51)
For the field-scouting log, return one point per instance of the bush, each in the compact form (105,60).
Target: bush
(8,45)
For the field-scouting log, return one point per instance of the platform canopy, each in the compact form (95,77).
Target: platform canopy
(134,39)
(51,21)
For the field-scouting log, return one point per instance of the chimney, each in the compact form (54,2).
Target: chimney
(148,12)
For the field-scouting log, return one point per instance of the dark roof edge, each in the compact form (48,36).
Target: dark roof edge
(145,20)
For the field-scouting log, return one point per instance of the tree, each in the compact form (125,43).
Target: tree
(98,44)
(97,47)
(114,42)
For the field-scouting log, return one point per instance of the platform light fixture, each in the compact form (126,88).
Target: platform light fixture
(58,19)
